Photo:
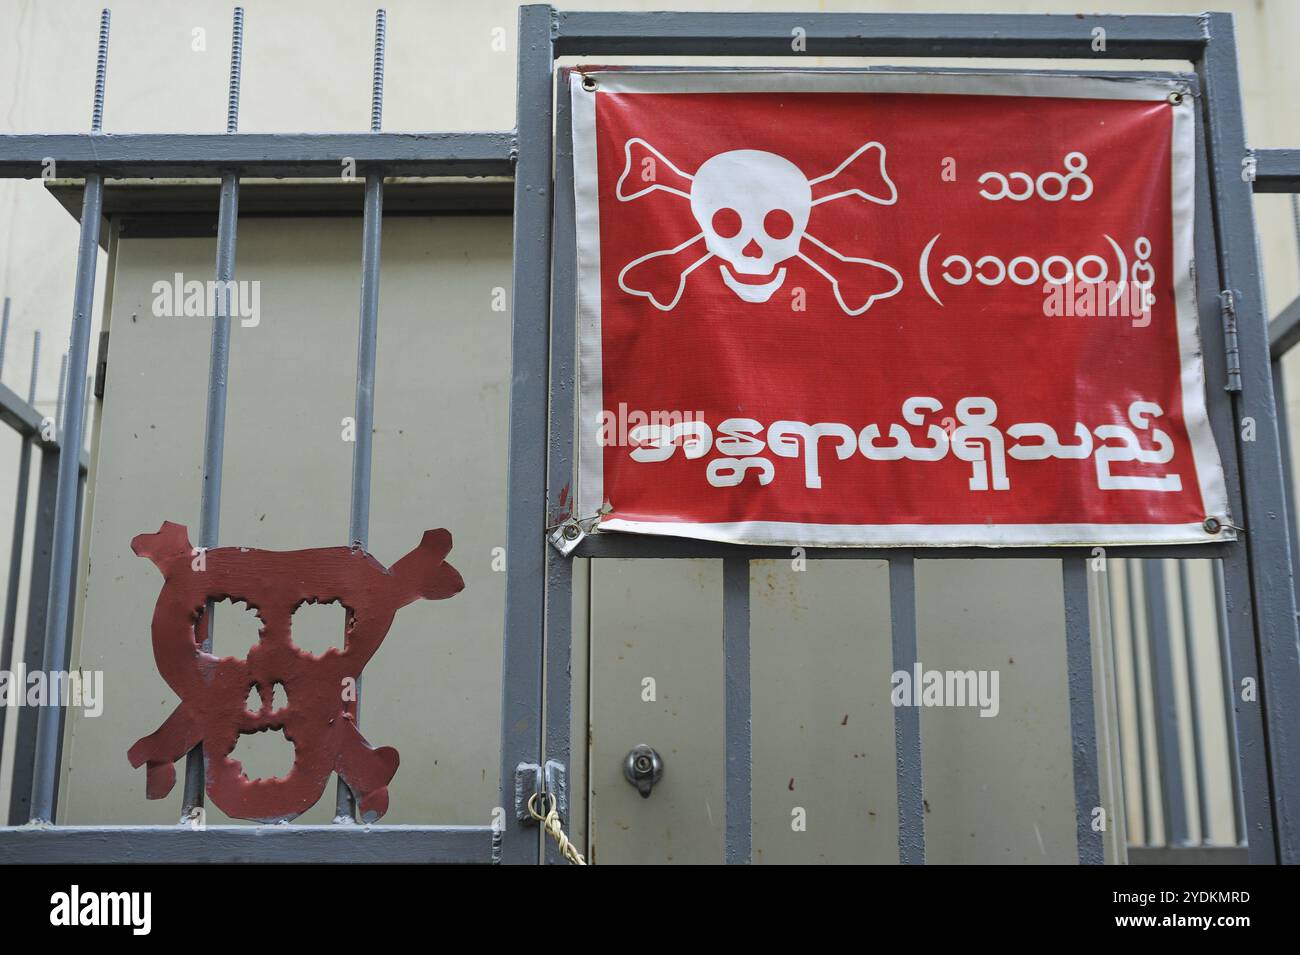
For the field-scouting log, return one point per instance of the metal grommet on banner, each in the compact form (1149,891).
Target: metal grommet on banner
(589,83)
(1176,98)
(1212,525)
(566,536)
(569,533)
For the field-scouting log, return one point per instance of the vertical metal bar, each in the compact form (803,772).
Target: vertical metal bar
(36,367)
(1083,719)
(90,396)
(1194,697)
(1229,707)
(1288,472)
(1107,721)
(1295,220)
(1114,667)
(63,383)
(19,532)
(66,664)
(214,428)
(1139,699)
(1267,541)
(559,465)
(522,661)
(1173,803)
(4,337)
(372,224)
(31,655)
(49,720)
(907,719)
(738,781)
(1239,649)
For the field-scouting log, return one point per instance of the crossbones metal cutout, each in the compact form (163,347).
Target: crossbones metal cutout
(752,208)
(320,716)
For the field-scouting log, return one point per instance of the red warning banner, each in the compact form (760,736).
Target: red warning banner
(890,309)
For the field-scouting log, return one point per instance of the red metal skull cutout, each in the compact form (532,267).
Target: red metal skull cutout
(320,716)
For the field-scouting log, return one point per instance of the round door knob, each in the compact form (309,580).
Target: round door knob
(643,768)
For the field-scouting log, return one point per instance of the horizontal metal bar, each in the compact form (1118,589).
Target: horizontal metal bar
(166,208)
(1284,331)
(268,155)
(1277,170)
(1186,76)
(21,416)
(1187,855)
(875,34)
(228,844)
(26,420)
(680,548)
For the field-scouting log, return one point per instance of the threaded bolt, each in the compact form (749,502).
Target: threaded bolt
(377,85)
(101,72)
(236,69)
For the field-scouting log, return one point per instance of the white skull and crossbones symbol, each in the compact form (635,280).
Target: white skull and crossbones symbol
(752,207)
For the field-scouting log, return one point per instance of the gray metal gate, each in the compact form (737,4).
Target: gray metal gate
(1155,601)
(1257,569)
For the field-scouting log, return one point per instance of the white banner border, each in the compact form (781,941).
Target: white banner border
(589,497)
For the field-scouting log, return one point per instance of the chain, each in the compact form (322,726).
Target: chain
(551,823)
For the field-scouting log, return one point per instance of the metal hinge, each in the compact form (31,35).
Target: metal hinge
(1228,312)
(549,779)
(101,366)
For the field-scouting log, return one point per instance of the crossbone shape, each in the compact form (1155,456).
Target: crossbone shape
(752,208)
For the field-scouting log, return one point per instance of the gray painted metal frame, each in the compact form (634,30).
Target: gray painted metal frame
(1277,170)
(1089,827)
(26,421)
(372,225)
(737,788)
(1284,331)
(231,156)
(526,482)
(1264,505)
(1189,656)
(907,719)
(1130,587)
(263,155)
(1261,619)
(582,33)
(214,425)
(67,499)
(1238,617)
(1168,752)
(79,845)
(560,462)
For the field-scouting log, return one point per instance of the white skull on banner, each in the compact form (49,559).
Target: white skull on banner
(752,207)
